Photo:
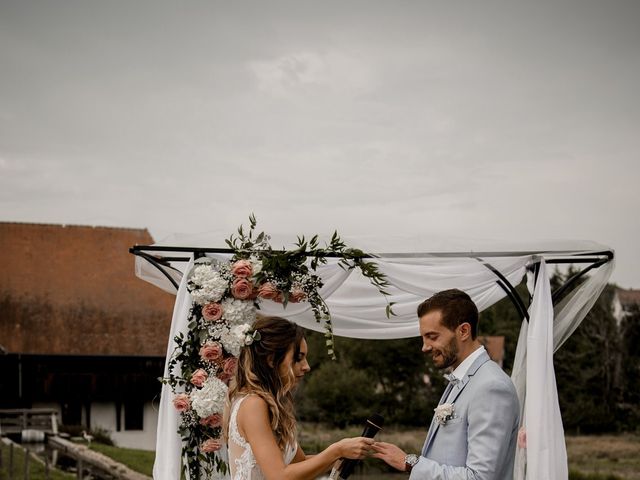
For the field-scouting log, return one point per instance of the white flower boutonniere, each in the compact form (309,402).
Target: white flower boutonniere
(444,412)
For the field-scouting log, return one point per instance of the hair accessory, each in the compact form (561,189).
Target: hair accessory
(252,337)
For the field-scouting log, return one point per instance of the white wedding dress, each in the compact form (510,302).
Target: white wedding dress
(242,463)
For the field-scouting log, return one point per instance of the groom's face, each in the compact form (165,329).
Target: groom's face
(438,341)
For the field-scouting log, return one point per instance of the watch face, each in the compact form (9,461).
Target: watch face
(411,459)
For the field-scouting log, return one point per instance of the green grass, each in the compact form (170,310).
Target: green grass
(36,469)
(139,460)
(597,457)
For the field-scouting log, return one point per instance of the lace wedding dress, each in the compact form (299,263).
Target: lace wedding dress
(241,460)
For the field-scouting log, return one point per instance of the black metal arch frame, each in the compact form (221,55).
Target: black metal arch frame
(591,260)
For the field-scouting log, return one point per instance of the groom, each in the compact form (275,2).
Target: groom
(474,429)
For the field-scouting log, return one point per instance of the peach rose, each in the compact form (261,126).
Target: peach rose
(241,288)
(242,269)
(211,351)
(199,377)
(279,298)
(212,312)
(214,421)
(267,290)
(230,365)
(297,295)
(182,402)
(211,445)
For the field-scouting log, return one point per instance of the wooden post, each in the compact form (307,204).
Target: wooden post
(46,467)
(11,461)
(1,455)
(26,465)
(79,472)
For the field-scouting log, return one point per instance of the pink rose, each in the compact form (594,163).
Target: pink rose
(230,365)
(182,402)
(214,421)
(522,438)
(211,351)
(242,269)
(199,377)
(211,445)
(297,295)
(241,288)
(267,290)
(279,298)
(212,312)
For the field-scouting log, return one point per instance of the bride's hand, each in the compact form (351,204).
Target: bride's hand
(355,448)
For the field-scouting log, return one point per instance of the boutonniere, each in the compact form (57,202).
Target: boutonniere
(444,412)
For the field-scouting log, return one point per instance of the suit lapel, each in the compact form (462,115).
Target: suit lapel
(455,393)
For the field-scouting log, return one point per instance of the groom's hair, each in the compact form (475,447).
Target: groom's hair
(456,308)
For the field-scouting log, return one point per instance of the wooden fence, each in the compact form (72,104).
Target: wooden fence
(18,420)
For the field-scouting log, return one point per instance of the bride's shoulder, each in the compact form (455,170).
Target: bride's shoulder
(252,404)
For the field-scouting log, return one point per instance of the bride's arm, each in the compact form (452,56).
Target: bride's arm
(254,425)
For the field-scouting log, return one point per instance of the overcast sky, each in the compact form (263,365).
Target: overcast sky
(482,119)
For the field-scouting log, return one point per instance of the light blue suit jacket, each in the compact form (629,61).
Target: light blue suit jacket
(479,442)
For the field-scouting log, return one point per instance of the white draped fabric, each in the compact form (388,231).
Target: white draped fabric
(358,311)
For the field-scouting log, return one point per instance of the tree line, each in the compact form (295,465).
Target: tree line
(597,372)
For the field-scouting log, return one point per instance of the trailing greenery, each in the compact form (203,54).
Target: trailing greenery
(289,265)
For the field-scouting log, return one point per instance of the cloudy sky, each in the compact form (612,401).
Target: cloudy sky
(492,120)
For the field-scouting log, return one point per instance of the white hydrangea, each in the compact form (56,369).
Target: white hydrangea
(256,265)
(210,398)
(208,284)
(237,311)
(234,338)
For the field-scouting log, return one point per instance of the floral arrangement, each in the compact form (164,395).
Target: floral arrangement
(443,413)
(225,298)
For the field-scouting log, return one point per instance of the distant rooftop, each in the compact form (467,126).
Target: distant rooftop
(628,297)
(71,289)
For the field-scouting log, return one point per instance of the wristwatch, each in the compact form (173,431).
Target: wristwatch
(410,461)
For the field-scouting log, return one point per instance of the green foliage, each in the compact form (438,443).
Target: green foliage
(383,376)
(587,371)
(102,435)
(629,406)
(341,394)
(576,475)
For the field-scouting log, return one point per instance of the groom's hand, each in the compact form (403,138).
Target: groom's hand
(391,454)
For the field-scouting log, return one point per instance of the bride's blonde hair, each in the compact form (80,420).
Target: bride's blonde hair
(259,374)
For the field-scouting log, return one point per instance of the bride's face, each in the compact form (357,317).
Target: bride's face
(298,366)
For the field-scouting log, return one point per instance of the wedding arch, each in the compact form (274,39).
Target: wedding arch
(359,311)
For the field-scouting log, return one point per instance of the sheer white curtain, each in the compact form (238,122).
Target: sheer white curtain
(168,462)
(533,375)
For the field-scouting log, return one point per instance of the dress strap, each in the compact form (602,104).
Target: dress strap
(234,433)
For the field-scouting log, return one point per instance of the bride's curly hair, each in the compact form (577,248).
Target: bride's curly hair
(258,374)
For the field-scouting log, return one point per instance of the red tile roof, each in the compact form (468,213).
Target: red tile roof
(72,290)
(628,297)
(495,348)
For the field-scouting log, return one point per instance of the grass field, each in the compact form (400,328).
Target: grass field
(605,457)
(36,470)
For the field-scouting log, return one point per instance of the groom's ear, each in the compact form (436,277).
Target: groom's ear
(464,330)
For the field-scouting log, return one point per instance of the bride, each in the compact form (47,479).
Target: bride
(260,421)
